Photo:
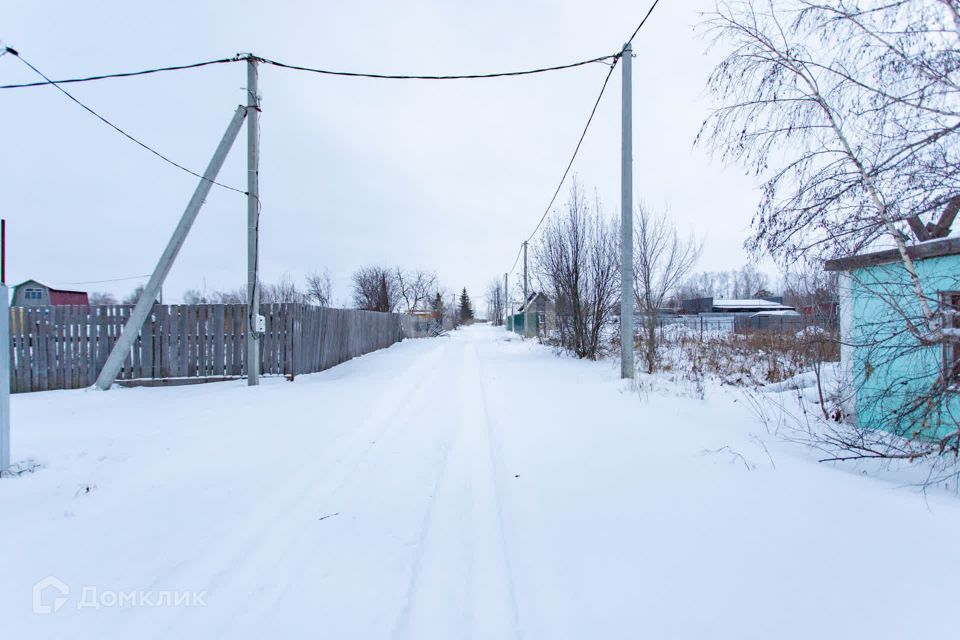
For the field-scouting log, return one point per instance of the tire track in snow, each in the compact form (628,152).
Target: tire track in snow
(402,621)
(461,582)
(496,476)
(546,595)
(280,521)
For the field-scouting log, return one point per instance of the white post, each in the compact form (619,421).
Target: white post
(4,379)
(626,219)
(506,302)
(253,222)
(526,283)
(149,295)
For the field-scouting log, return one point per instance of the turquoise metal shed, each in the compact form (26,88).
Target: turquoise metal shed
(897,378)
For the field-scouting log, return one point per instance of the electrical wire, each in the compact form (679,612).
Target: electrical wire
(125,74)
(616,59)
(146,275)
(471,76)
(329,72)
(644,21)
(613,60)
(118,129)
(576,150)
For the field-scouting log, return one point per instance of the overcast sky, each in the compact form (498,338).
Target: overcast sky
(446,176)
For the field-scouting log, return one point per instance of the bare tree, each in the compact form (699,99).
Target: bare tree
(232,296)
(495,302)
(195,296)
(812,291)
(319,288)
(102,298)
(855,109)
(284,290)
(851,111)
(375,289)
(662,259)
(414,288)
(745,282)
(577,263)
(134,295)
(749,282)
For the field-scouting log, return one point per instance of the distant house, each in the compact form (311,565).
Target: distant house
(420,323)
(896,379)
(36,294)
(537,316)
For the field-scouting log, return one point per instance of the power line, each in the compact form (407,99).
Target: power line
(330,72)
(576,150)
(125,74)
(470,76)
(644,21)
(146,275)
(616,58)
(116,128)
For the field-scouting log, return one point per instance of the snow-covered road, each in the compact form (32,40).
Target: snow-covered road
(466,487)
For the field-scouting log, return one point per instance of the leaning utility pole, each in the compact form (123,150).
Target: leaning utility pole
(253,223)
(626,218)
(526,282)
(121,350)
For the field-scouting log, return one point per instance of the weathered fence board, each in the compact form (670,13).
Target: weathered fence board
(60,347)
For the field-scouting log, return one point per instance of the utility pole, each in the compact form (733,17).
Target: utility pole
(506,301)
(4,355)
(627,367)
(526,282)
(121,349)
(253,223)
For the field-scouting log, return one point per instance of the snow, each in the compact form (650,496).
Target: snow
(473,486)
(749,303)
(776,312)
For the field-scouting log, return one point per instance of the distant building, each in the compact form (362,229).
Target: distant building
(421,323)
(31,293)
(537,316)
(748,314)
(748,305)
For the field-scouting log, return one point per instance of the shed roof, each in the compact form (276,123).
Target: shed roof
(751,303)
(775,312)
(49,287)
(532,296)
(919,251)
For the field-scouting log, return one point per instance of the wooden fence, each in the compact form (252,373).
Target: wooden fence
(64,347)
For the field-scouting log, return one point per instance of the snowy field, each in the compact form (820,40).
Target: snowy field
(462,487)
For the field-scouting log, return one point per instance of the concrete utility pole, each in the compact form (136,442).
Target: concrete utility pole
(4,354)
(253,222)
(121,350)
(627,367)
(4,379)
(506,300)
(526,282)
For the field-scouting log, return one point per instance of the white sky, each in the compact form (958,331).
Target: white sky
(447,176)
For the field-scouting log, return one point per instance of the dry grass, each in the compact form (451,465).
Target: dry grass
(750,359)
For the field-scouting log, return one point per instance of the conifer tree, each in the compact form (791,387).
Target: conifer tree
(466,308)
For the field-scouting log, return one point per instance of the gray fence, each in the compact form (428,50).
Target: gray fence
(64,347)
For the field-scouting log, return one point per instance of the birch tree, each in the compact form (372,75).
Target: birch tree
(850,110)
(662,259)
